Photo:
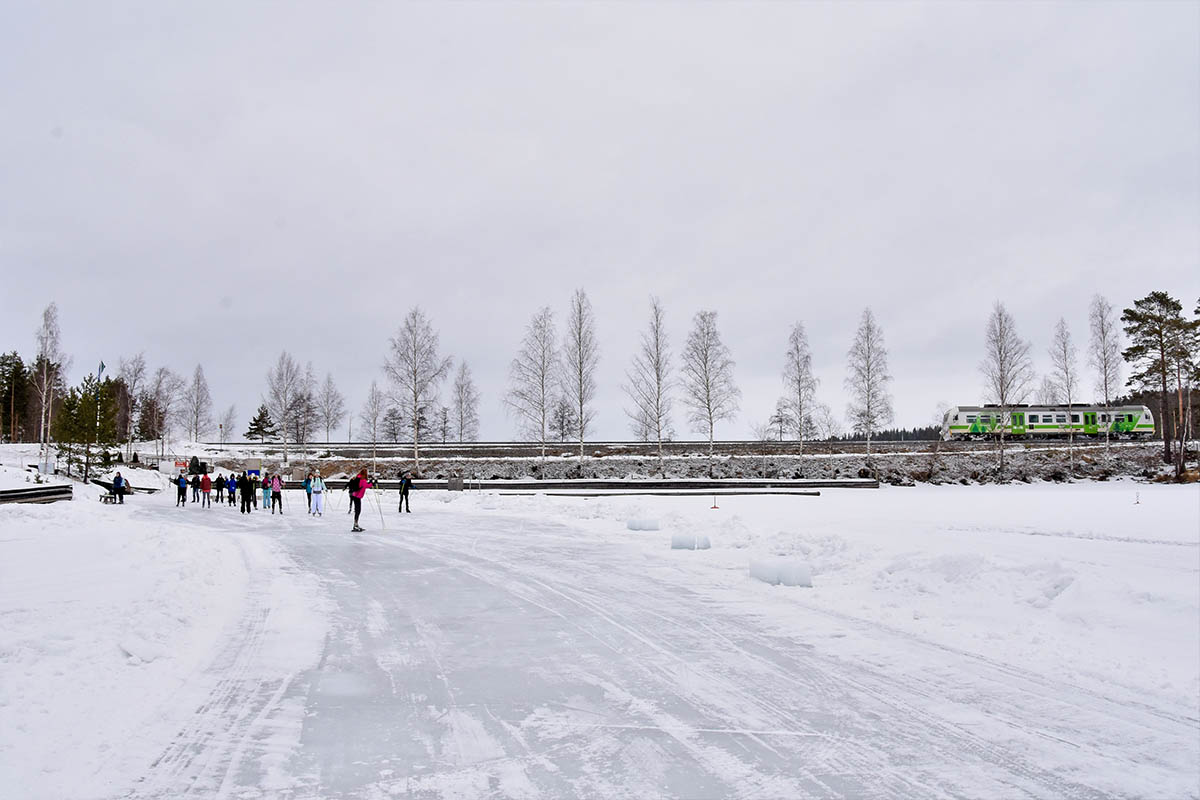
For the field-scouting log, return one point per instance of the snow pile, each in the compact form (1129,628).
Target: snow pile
(782,571)
(642,524)
(111,615)
(689,541)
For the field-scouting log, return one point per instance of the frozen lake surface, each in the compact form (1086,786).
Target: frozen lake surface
(977,642)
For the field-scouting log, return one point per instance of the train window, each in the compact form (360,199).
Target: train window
(1032,418)
(1104,417)
(970,417)
(1074,418)
(1060,418)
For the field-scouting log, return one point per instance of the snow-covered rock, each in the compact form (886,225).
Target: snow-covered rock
(642,524)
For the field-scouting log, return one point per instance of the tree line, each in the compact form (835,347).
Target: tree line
(552,385)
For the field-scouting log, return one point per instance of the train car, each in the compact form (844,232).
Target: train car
(1031,422)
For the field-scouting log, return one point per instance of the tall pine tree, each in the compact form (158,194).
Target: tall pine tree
(261,427)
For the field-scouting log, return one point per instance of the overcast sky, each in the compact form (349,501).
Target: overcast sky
(213,183)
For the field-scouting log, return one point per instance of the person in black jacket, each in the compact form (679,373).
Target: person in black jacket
(195,488)
(246,492)
(219,485)
(405,485)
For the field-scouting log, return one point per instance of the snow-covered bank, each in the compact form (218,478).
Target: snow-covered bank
(111,617)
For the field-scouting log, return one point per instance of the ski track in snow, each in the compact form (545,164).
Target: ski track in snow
(474,655)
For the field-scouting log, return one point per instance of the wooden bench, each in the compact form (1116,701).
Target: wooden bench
(108,498)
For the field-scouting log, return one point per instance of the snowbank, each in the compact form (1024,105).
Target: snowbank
(689,541)
(111,614)
(781,572)
(641,525)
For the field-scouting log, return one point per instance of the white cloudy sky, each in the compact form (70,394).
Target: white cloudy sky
(212,183)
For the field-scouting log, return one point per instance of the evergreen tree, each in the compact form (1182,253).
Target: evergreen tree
(14,396)
(393,424)
(261,427)
(1154,326)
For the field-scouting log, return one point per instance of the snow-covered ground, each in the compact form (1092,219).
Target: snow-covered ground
(998,641)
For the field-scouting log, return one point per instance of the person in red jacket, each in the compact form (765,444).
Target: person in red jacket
(358,487)
(206,490)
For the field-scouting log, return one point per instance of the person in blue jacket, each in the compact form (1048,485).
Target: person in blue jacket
(182,483)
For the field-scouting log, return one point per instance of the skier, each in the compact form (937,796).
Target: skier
(246,492)
(405,485)
(317,495)
(276,494)
(308,489)
(358,487)
(219,485)
(195,488)
(206,490)
(119,488)
(266,492)
(181,483)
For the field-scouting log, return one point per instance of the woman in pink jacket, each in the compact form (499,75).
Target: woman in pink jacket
(358,487)
(276,493)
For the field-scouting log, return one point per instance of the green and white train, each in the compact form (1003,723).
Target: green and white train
(1032,422)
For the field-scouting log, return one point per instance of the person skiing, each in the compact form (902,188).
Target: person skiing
(316,494)
(119,488)
(308,489)
(206,490)
(266,492)
(246,492)
(219,485)
(358,487)
(195,488)
(181,484)
(276,493)
(405,484)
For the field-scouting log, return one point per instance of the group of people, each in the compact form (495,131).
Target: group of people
(247,486)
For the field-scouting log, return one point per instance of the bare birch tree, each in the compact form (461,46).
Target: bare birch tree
(531,379)
(1104,356)
(710,393)
(799,380)
(867,379)
(416,370)
(464,405)
(581,355)
(827,424)
(228,420)
(371,417)
(648,383)
(166,392)
(197,405)
(1006,367)
(49,365)
(285,384)
(305,417)
(133,373)
(1047,393)
(1066,378)
(331,406)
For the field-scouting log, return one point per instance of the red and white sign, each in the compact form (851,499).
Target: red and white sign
(180,465)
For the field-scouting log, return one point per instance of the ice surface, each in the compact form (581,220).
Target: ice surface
(782,571)
(642,524)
